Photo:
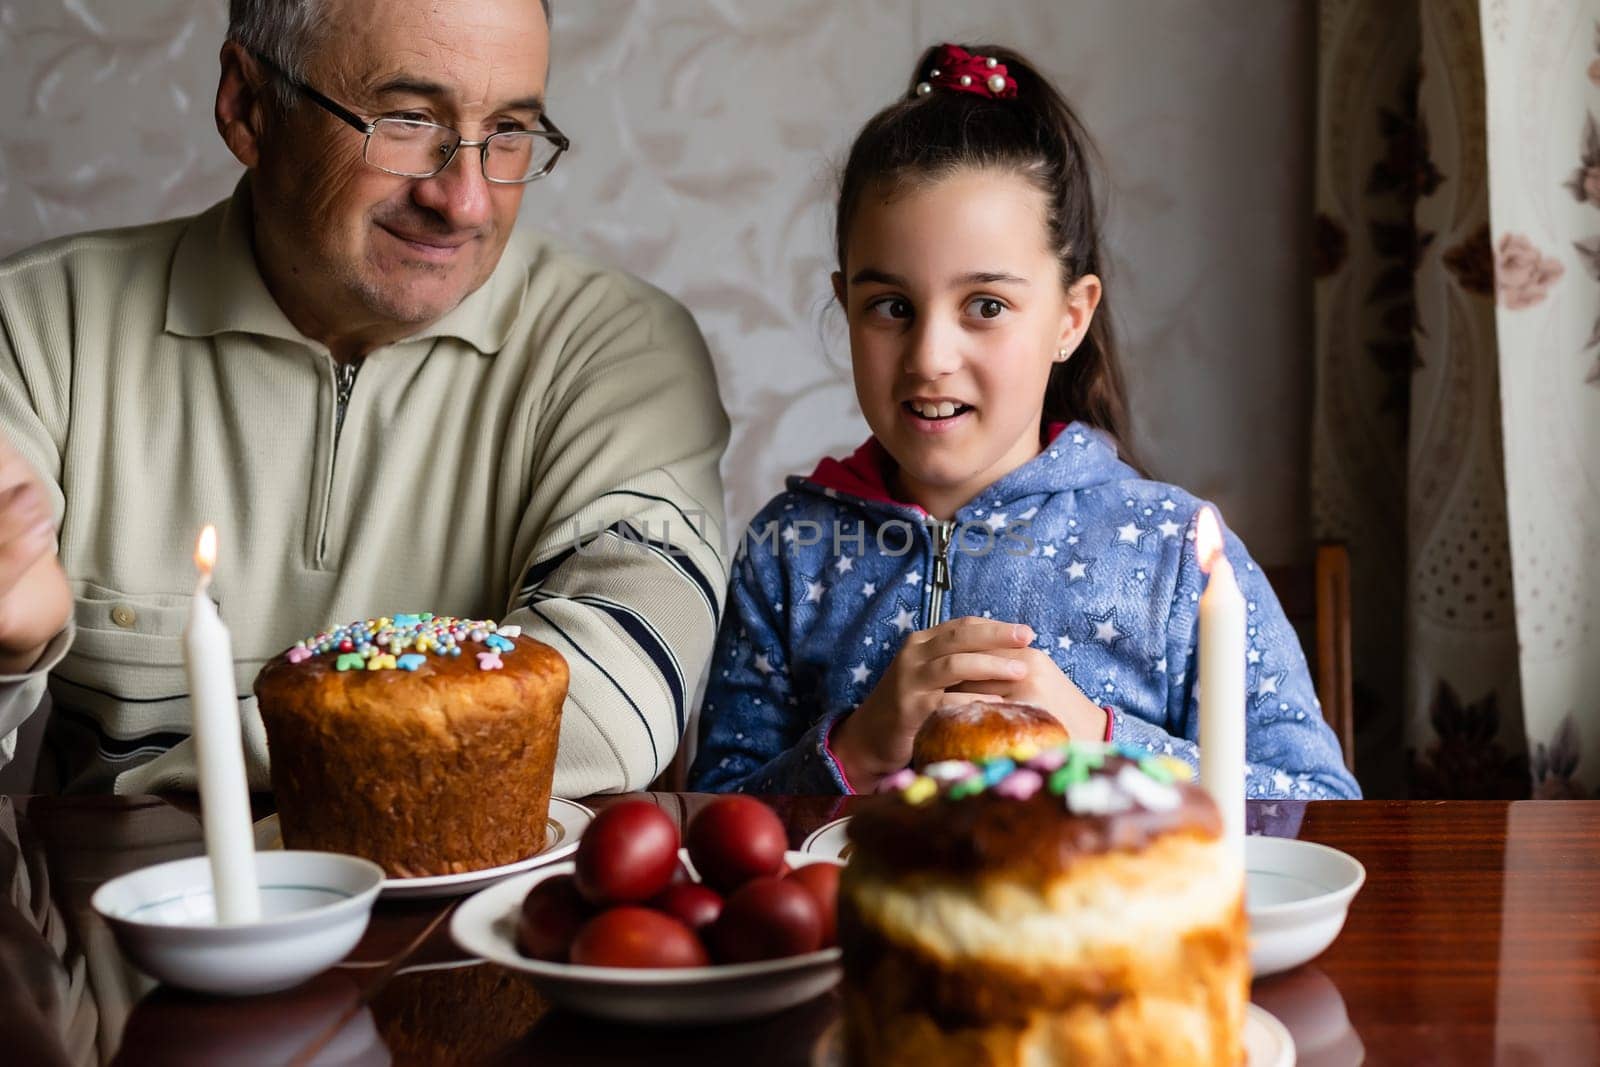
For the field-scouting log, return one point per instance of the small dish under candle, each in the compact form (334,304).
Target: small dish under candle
(314,908)
(1297,894)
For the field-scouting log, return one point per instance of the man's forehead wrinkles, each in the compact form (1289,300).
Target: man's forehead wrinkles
(410,73)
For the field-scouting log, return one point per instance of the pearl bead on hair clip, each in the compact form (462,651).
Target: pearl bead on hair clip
(961,70)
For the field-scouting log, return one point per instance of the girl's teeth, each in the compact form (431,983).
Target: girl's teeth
(946,409)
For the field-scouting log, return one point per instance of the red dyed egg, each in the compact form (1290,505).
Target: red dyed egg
(768,918)
(552,914)
(694,905)
(628,854)
(821,880)
(734,839)
(637,937)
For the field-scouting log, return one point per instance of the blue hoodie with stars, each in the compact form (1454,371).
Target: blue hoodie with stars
(834,573)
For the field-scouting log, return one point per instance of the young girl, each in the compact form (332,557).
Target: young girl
(986,542)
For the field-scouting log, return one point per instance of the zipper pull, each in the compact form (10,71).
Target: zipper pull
(344,380)
(941,546)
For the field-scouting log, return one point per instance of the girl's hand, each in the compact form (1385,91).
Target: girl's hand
(34,599)
(875,739)
(1045,685)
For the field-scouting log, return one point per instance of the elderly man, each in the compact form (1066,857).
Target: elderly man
(384,398)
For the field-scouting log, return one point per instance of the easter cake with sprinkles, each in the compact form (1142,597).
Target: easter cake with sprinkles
(1067,904)
(425,743)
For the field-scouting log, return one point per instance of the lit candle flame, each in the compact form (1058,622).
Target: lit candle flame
(205,551)
(1207,539)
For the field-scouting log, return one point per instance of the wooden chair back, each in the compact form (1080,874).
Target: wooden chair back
(1316,598)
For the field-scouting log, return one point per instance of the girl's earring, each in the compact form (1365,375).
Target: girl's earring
(1062,354)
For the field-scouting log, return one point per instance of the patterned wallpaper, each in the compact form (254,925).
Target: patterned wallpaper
(707,133)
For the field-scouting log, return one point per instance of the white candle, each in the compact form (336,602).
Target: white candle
(219,752)
(1222,698)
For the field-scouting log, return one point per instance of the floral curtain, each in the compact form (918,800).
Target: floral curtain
(1457,396)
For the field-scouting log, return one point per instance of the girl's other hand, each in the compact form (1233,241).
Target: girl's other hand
(1045,685)
(875,740)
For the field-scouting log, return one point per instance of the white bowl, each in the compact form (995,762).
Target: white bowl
(1297,894)
(314,908)
(486,925)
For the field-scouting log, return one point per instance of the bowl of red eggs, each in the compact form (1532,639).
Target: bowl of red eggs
(642,927)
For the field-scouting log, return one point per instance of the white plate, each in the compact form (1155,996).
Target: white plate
(828,841)
(1297,894)
(486,925)
(568,821)
(1266,1042)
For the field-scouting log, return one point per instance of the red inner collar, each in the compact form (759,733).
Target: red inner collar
(865,473)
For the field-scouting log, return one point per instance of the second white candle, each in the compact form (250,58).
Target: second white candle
(1222,678)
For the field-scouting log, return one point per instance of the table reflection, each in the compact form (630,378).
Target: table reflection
(789,1039)
(320,1023)
(1309,1004)
(454,1013)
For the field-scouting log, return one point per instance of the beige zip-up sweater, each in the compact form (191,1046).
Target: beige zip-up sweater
(545,454)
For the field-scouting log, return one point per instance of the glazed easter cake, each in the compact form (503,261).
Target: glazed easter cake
(1074,904)
(424,743)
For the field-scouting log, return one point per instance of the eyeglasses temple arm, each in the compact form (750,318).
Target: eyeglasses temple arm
(338,111)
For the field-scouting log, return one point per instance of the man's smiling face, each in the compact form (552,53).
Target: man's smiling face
(368,248)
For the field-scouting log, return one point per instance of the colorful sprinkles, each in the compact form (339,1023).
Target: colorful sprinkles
(404,642)
(1076,772)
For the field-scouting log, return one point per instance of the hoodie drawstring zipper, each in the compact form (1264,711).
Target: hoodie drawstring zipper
(940,579)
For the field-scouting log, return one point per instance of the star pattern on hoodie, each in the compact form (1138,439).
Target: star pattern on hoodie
(1132,534)
(1267,686)
(1106,630)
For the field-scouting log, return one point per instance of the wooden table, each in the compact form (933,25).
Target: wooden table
(1475,940)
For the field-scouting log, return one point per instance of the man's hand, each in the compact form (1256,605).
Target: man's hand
(35,602)
(875,739)
(1043,684)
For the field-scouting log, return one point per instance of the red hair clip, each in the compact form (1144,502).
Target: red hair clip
(956,68)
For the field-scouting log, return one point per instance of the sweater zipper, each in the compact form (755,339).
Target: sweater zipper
(941,570)
(344,381)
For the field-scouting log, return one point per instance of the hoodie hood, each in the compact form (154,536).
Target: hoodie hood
(1077,457)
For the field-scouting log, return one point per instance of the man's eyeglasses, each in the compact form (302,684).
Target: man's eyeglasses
(415,149)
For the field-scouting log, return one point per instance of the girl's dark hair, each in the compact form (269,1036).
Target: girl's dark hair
(929,136)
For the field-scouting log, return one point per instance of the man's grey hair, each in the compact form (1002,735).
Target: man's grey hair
(286,32)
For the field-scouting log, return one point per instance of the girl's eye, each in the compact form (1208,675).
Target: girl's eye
(986,307)
(890,307)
